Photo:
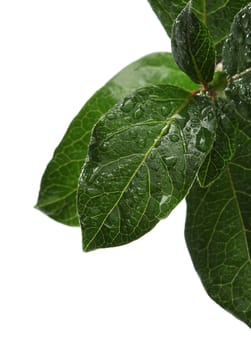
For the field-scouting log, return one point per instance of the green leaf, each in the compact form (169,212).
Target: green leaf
(57,196)
(218,229)
(192,47)
(237,47)
(224,145)
(143,157)
(216,14)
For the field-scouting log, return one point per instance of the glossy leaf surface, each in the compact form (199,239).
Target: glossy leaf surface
(224,145)
(143,157)
(218,228)
(237,47)
(57,197)
(216,14)
(192,47)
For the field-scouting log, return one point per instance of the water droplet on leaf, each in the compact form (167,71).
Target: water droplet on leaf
(139,112)
(245,20)
(133,133)
(164,206)
(181,120)
(170,161)
(164,110)
(174,138)
(128,105)
(104,146)
(203,139)
(248,39)
(141,141)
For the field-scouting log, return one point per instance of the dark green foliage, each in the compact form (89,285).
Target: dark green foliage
(218,226)
(57,196)
(192,47)
(142,160)
(218,231)
(151,137)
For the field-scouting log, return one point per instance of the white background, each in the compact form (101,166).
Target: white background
(146,295)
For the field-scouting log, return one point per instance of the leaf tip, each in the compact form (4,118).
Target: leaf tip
(86,246)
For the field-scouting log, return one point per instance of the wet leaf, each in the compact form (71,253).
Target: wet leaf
(218,228)
(143,157)
(192,47)
(57,196)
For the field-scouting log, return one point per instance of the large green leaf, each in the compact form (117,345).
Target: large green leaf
(237,47)
(224,145)
(218,228)
(216,14)
(143,157)
(192,47)
(57,197)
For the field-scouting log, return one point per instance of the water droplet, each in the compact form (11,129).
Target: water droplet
(135,196)
(164,199)
(133,133)
(141,194)
(108,226)
(149,132)
(141,142)
(248,39)
(174,138)
(245,20)
(170,161)
(129,222)
(201,144)
(104,146)
(164,206)
(228,40)
(92,190)
(248,57)
(181,120)
(194,119)
(110,116)
(128,105)
(95,170)
(97,182)
(164,110)
(139,112)
(203,139)
(208,114)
